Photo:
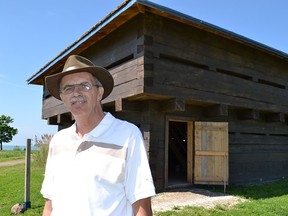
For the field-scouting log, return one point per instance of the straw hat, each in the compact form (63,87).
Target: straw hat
(77,64)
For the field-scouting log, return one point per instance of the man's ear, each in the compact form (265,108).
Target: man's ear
(100,93)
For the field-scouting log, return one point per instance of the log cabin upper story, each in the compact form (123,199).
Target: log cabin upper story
(155,53)
(165,63)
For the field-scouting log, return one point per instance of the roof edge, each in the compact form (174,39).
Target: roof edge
(215,28)
(126,5)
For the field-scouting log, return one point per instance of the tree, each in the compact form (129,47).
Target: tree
(6,132)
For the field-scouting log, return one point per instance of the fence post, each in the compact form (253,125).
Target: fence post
(27,203)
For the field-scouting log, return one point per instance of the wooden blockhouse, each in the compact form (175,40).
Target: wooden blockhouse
(212,105)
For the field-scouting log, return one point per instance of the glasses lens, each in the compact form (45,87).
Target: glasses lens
(85,86)
(67,89)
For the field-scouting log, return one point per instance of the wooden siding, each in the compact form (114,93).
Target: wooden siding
(258,151)
(203,67)
(211,153)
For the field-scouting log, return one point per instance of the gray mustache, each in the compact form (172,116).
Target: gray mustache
(79,98)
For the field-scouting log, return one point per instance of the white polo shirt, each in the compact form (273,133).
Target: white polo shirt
(101,174)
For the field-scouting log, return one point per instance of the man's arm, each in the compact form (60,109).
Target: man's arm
(47,208)
(142,207)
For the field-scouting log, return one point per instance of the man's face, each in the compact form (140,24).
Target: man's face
(79,93)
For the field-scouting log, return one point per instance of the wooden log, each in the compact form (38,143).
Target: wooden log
(250,114)
(52,120)
(275,117)
(123,105)
(64,119)
(218,110)
(173,105)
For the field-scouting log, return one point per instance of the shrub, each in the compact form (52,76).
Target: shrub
(17,148)
(42,145)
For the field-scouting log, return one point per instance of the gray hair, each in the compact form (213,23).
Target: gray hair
(97,82)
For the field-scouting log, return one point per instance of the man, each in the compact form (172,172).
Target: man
(98,166)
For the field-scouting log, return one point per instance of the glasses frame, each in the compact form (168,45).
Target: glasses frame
(83,87)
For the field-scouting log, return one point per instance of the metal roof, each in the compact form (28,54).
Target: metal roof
(143,5)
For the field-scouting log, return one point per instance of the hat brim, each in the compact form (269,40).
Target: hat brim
(103,75)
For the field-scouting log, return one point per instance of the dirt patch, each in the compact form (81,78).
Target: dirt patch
(192,197)
(12,162)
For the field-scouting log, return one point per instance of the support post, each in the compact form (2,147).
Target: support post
(27,203)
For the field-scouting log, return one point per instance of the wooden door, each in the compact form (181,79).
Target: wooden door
(211,153)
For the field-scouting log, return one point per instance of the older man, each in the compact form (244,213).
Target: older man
(98,166)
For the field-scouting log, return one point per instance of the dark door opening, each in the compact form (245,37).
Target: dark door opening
(177,153)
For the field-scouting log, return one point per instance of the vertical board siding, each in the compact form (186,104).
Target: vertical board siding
(211,153)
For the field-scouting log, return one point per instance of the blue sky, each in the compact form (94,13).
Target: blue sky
(33,32)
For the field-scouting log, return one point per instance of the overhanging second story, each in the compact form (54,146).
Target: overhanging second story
(157,54)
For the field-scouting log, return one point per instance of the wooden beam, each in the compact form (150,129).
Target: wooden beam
(123,105)
(275,117)
(64,119)
(217,110)
(52,120)
(250,114)
(174,105)
(211,153)
(190,150)
(60,119)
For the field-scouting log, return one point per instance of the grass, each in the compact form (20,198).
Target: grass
(12,189)
(265,200)
(6,155)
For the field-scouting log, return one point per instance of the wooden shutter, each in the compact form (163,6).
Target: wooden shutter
(211,153)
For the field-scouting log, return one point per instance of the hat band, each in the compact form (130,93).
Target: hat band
(71,68)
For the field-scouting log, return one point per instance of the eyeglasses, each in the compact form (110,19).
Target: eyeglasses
(68,89)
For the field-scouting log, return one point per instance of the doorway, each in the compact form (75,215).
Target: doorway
(177,153)
(197,153)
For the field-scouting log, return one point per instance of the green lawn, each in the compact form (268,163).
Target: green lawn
(12,189)
(265,200)
(6,155)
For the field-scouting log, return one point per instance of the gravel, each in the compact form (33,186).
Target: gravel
(192,197)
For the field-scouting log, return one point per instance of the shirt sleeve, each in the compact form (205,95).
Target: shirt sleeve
(139,182)
(48,177)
